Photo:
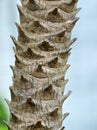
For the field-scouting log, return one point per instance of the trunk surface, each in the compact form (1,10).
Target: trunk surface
(41,51)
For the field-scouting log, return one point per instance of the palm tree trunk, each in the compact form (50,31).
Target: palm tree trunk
(41,51)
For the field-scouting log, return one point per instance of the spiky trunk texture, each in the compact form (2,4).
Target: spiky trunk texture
(41,52)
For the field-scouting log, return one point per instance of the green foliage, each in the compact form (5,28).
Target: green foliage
(4,114)
(3,126)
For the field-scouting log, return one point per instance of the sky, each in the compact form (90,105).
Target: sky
(82,104)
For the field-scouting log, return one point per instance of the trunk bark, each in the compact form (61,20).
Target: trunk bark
(41,51)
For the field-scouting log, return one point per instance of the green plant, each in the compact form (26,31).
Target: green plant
(4,114)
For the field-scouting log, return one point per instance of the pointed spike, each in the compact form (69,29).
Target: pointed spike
(67,66)
(7,101)
(23,18)
(12,37)
(66,81)
(78,9)
(65,116)
(19,28)
(74,40)
(17,25)
(15,116)
(14,40)
(62,128)
(17,58)
(71,42)
(6,123)
(18,61)
(75,12)
(12,68)
(70,24)
(22,35)
(13,95)
(66,95)
(14,49)
(75,20)
(18,6)
(64,51)
(19,9)
(9,125)
(72,21)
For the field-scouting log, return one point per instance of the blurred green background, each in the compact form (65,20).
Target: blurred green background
(4,114)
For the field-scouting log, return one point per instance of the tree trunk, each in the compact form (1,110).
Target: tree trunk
(41,51)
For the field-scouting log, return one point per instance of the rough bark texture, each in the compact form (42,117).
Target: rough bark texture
(41,51)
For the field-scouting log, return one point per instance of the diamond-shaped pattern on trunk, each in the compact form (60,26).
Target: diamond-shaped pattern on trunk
(41,53)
